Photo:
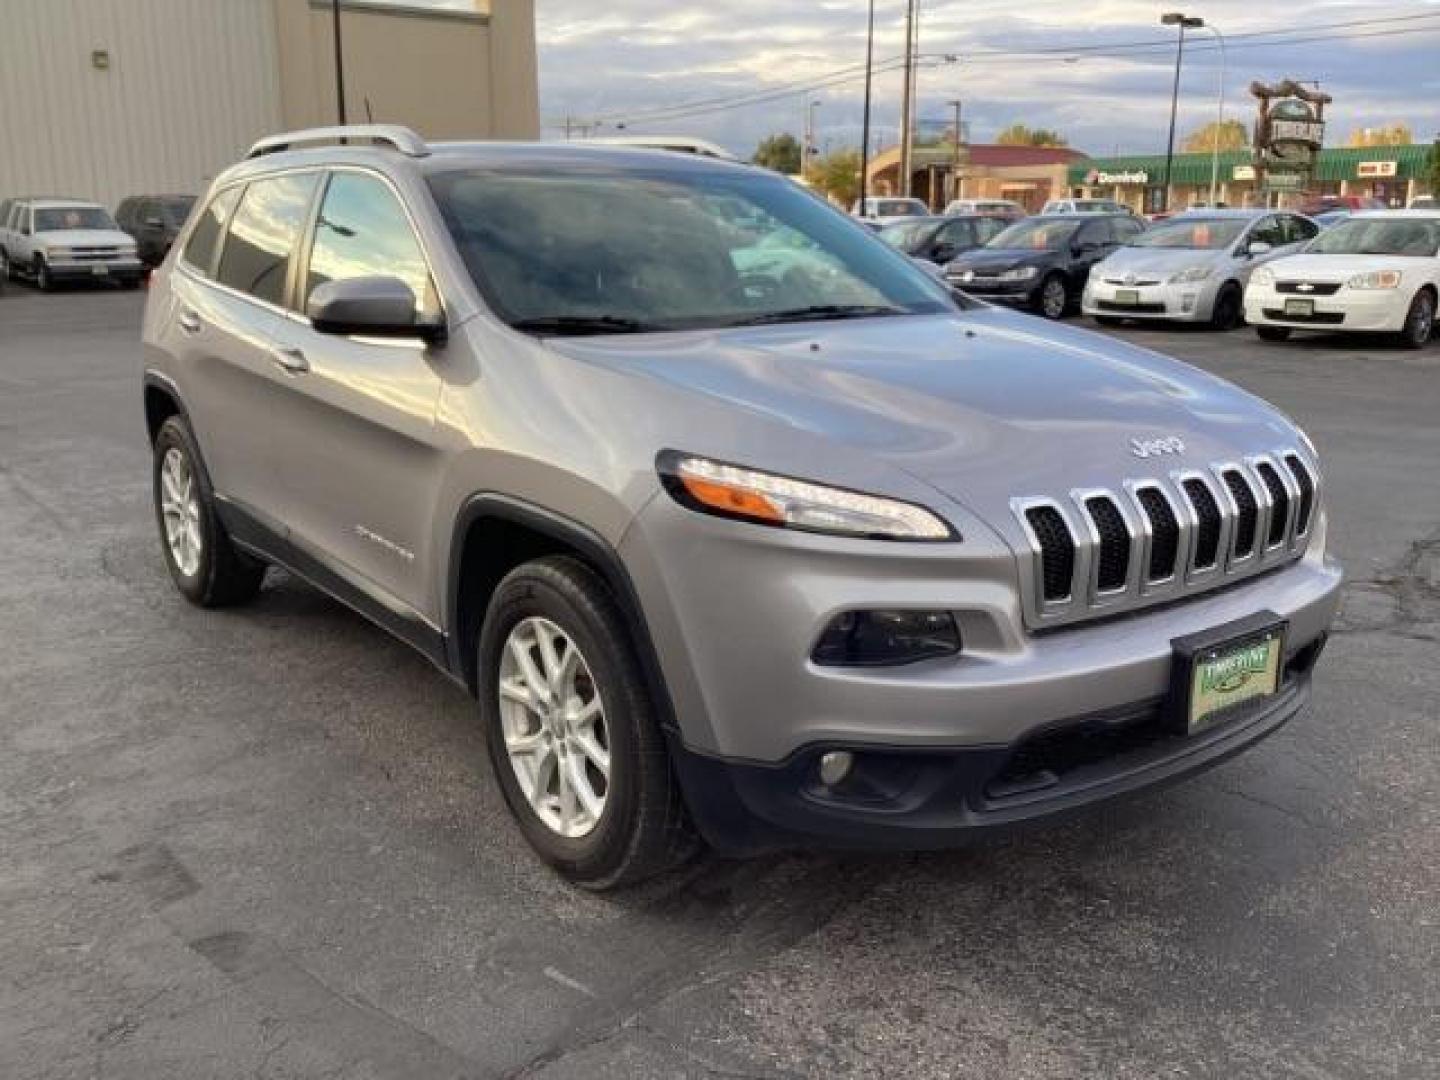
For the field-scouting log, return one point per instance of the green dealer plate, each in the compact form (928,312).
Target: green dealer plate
(1233,673)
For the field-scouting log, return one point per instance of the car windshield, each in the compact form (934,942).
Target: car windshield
(899,208)
(1036,235)
(593,251)
(1201,234)
(1380,236)
(908,234)
(60,218)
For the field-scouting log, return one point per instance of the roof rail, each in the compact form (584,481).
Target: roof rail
(394,136)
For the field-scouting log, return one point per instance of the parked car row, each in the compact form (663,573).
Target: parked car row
(54,241)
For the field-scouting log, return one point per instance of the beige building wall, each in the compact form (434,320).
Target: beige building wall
(182,87)
(448,74)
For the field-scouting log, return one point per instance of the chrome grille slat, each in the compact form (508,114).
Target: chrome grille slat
(1151,538)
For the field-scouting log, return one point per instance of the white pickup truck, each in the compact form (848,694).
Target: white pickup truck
(51,241)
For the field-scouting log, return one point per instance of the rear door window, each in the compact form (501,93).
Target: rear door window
(204,240)
(263,234)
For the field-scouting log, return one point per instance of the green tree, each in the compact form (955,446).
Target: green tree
(779,152)
(1020,135)
(1233,136)
(837,175)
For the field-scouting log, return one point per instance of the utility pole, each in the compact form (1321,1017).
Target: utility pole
(907,103)
(1184,22)
(339,62)
(865,124)
(955,163)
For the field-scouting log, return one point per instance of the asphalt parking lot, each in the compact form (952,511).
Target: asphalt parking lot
(265,844)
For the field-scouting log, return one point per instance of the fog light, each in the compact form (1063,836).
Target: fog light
(877,638)
(835,766)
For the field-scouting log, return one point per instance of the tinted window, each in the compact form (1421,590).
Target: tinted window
(262,235)
(959,233)
(175,211)
(1297,229)
(1127,229)
(59,219)
(1269,232)
(200,250)
(1095,232)
(363,232)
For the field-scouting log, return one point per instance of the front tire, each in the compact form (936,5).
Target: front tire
(1419,321)
(573,734)
(1053,300)
(203,562)
(43,281)
(1229,309)
(1273,333)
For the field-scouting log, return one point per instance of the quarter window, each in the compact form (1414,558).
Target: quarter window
(362,231)
(262,235)
(204,240)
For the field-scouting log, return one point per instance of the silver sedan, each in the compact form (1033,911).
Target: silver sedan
(1193,267)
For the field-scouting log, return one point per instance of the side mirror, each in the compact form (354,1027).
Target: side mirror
(1258,247)
(372,307)
(944,252)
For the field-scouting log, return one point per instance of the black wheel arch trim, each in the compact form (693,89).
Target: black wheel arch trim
(591,546)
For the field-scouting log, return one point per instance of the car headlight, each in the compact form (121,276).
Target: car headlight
(57,253)
(1375,279)
(1263,276)
(733,491)
(1190,275)
(1020,273)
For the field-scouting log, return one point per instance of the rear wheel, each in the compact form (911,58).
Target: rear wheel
(1229,310)
(1419,321)
(204,564)
(1054,299)
(7,272)
(1273,333)
(573,735)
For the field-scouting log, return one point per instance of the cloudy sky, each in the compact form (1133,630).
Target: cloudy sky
(1097,70)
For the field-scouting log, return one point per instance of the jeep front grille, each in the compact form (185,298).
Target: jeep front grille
(1158,538)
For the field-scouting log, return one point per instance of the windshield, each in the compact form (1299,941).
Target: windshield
(1200,234)
(594,251)
(907,235)
(899,208)
(1380,236)
(1036,235)
(58,219)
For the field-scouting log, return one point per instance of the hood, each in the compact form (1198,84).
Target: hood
(72,238)
(995,260)
(983,406)
(1339,267)
(1155,262)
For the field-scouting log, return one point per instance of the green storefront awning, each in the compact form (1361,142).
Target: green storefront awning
(1340,163)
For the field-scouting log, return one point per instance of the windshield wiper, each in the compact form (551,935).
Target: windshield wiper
(567,325)
(820,312)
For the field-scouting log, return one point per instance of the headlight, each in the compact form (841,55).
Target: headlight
(57,253)
(1263,276)
(732,491)
(1375,279)
(1190,275)
(1020,273)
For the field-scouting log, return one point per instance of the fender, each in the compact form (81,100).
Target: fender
(591,546)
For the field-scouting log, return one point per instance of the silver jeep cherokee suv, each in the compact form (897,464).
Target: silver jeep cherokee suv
(736,523)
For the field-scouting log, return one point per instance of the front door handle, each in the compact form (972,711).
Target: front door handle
(292,360)
(190,322)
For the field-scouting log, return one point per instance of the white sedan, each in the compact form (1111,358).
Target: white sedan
(1378,271)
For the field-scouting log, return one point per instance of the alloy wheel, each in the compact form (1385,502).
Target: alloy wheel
(1053,298)
(1422,320)
(180,509)
(553,723)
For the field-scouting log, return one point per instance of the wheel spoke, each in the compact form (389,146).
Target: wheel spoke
(518,691)
(549,656)
(529,744)
(520,650)
(579,785)
(595,753)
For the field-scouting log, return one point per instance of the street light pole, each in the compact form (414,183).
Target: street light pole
(1184,22)
(865,124)
(1219,118)
(955,162)
(907,102)
(339,62)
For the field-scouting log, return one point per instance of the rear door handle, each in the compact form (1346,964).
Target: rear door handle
(292,360)
(190,322)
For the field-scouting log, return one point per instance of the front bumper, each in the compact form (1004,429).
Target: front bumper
(1178,303)
(1361,310)
(995,291)
(900,799)
(108,270)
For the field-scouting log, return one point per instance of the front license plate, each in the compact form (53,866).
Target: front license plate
(1232,666)
(1303,308)
(1128,297)
(100,271)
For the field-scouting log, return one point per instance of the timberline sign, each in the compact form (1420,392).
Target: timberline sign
(1289,133)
